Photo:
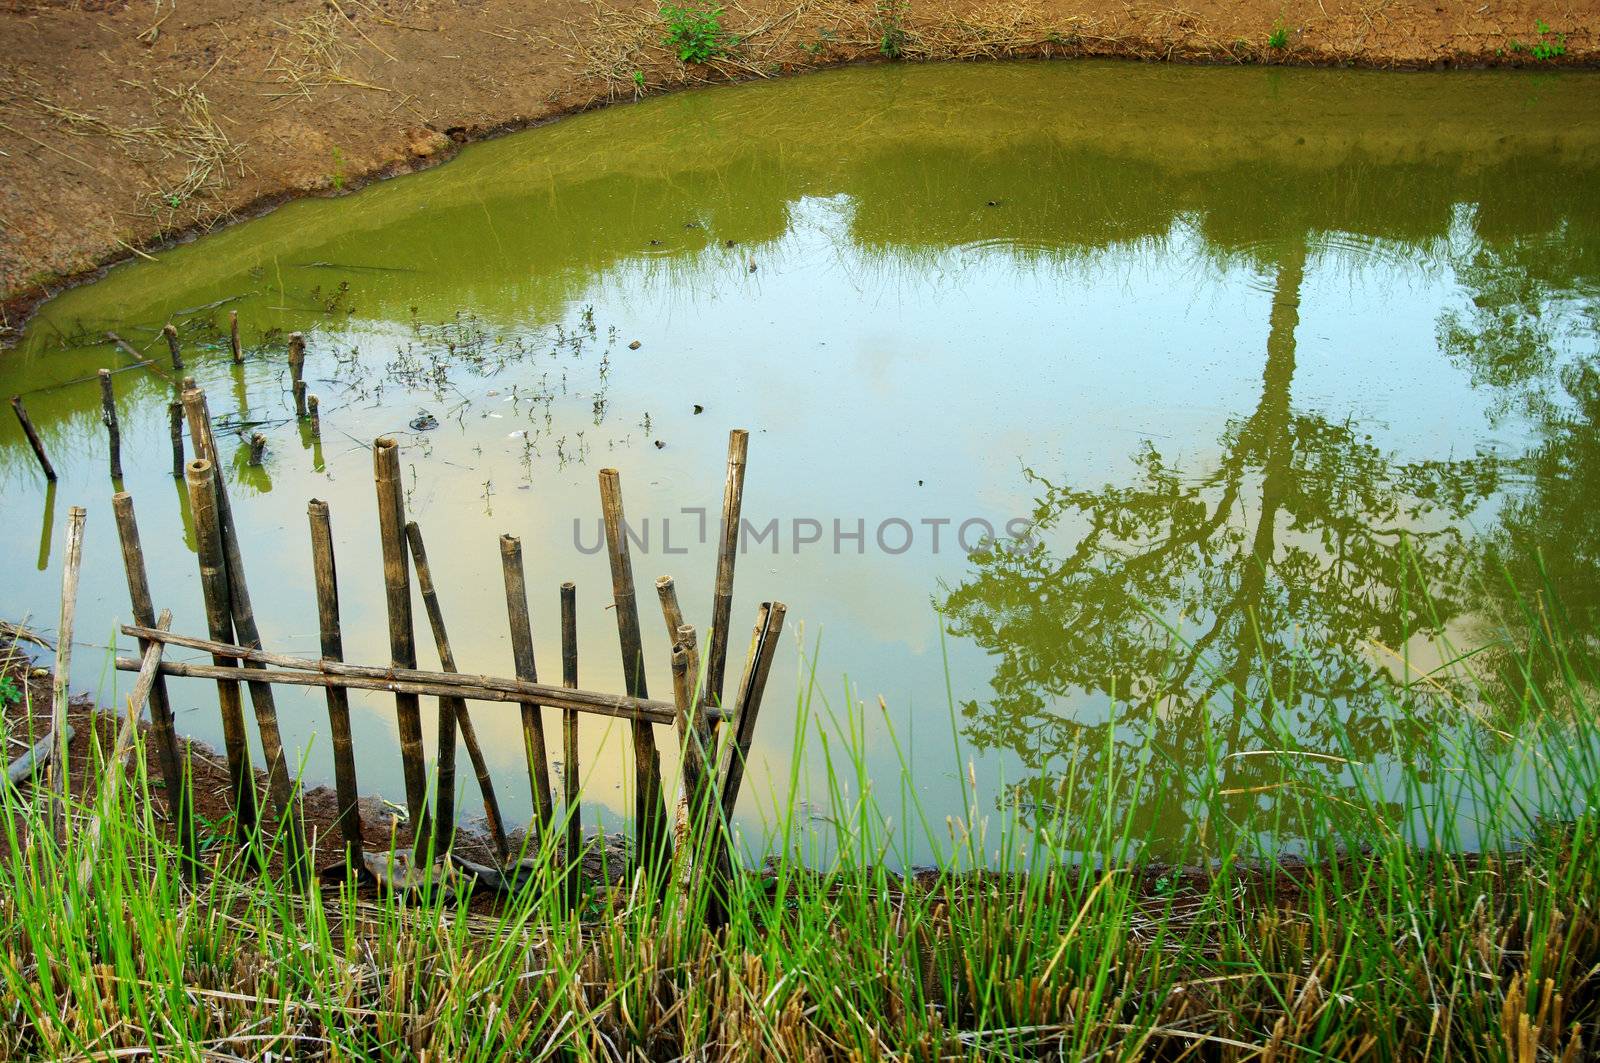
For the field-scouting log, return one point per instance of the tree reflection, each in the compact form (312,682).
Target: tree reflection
(1274,595)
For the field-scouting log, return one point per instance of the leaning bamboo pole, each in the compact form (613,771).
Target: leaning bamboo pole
(402,635)
(453,713)
(163,726)
(653,845)
(171,333)
(282,790)
(727,554)
(747,704)
(338,700)
(214,589)
(33,438)
(522,655)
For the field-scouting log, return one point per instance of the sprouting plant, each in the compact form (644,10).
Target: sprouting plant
(337,177)
(1546,46)
(9,691)
(891,28)
(1279,37)
(694,32)
(638,83)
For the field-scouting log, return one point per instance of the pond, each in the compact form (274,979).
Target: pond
(1091,405)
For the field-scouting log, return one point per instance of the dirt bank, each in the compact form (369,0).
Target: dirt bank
(127,123)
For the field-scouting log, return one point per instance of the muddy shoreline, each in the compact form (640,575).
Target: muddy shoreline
(127,130)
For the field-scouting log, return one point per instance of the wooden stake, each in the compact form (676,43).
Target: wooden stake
(573,852)
(453,709)
(108,417)
(61,691)
(171,333)
(214,588)
(297,368)
(299,671)
(338,699)
(283,791)
(316,416)
(522,653)
(162,723)
(175,427)
(727,554)
(752,686)
(652,843)
(258,448)
(699,847)
(33,438)
(402,636)
(233,337)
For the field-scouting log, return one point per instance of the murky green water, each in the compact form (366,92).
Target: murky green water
(1229,337)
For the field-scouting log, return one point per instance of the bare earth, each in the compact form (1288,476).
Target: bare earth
(125,124)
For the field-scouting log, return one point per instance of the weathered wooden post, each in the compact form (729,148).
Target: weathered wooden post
(33,438)
(283,791)
(522,654)
(747,703)
(214,589)
(313,407)
(61,690)
(402,635)
(573,851)
(338,699)
(171,333)
(108,417)
(297,368)
(258,448)
(233,337)
(173,773)
(175,429)
(653,845)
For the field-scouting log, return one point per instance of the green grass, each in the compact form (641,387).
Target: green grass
(1053,938)
(1278,39)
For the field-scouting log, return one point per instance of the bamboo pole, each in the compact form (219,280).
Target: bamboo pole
(300,671)
(402,636)
(338,699)
(171,333)
(258,448)
(570,780)
(61,691)
(533,744)
(175,429)
(162,723)
(297,368)
(108,417)
(653,845)
(33,438)
(699,845)
(283,791)
(233,337)
(752,687)
(38,756)
(121,747)
(672,613)
(214,589)
(727,554)
(313,408)
(456,709)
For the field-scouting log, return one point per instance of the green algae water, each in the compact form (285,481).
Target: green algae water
(1101,416)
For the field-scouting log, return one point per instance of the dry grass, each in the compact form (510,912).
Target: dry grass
(316,54)
(185,153)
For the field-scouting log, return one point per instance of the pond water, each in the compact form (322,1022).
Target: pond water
(1283,378)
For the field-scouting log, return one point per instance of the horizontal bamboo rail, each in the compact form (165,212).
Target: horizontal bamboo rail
(300,671)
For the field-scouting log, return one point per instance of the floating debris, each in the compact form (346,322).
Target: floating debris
(424,422)
(699,409)
(634,346)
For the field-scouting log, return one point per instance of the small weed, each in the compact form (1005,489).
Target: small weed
(337,177)
(1546,46)
(1279,37)
(694,33)
(891,28)
(9,691)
